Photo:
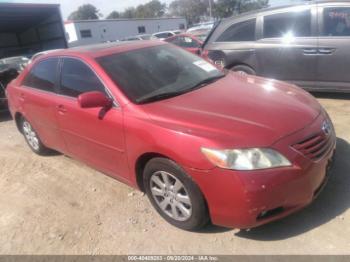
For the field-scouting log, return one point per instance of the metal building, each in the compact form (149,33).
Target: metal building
(98,31)
(26,29)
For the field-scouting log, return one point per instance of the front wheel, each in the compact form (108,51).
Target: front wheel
(174,195)
(33,139)
(243,70)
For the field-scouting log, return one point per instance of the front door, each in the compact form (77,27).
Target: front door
(95,139)
(334,48)
(287,49)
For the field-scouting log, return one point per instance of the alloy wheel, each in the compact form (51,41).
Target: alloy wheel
(31,136)
(171,195)
(242,73)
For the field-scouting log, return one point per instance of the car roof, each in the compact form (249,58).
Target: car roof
(99,50)
(163,32)
(286,6)
(49,51)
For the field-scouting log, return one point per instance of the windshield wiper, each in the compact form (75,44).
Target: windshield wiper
(159,97)
(205,82)
(177,93)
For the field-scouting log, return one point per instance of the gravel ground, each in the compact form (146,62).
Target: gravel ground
(56,205)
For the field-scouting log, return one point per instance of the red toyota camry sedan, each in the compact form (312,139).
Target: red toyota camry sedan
(239,151)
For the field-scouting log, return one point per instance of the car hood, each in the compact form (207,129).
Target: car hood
(238,110)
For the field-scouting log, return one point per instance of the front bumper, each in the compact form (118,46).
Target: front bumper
(249,199)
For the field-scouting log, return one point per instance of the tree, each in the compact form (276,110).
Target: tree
(130,12)
(192,10)
(154,8)
(85,12)
(151,9)
(249,5)
(113,15)
(227,8)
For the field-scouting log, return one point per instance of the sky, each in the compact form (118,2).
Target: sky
(105,6)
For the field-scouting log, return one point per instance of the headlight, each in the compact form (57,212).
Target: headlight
(246,159)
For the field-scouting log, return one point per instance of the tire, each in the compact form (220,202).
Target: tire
(243,70)
(180,202)
(33,140)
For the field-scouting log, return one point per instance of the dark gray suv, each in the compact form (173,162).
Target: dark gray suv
(307,44)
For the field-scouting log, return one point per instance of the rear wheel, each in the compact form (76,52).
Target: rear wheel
(174,194)
(33,140)
(243,70)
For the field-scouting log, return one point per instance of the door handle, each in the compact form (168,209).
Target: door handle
(310,51)
(326,51)
(61,109)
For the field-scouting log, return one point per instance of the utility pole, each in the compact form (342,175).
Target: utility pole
(210,10)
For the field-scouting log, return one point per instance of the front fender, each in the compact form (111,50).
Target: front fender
(182,148)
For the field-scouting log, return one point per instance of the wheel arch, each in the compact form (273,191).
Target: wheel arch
(18,119)
(140,165)
(238,63)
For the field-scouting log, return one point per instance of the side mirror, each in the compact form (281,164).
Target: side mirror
(94,100)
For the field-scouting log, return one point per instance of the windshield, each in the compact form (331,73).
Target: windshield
(158,71)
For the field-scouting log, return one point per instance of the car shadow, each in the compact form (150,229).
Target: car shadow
(5,116)
(339,96)
(331,204)
(210,229)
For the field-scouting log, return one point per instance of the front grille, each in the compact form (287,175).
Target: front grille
(316,146)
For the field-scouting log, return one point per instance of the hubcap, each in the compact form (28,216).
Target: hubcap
(171,196)
(242,73)
(30,135)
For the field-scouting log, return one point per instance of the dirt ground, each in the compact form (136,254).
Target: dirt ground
(55,205)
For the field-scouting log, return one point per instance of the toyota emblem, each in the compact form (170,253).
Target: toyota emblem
(326,128)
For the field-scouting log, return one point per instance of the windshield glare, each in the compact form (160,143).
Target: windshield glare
(157,70)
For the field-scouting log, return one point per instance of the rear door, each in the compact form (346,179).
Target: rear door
(287,45)
(91,137)
(37,96)
(334,47)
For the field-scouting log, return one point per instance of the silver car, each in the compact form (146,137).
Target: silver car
(307,44)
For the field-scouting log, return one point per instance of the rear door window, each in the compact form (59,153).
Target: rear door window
(78,78)
(336,21)
(43,75)
(295,24)
(240,32)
